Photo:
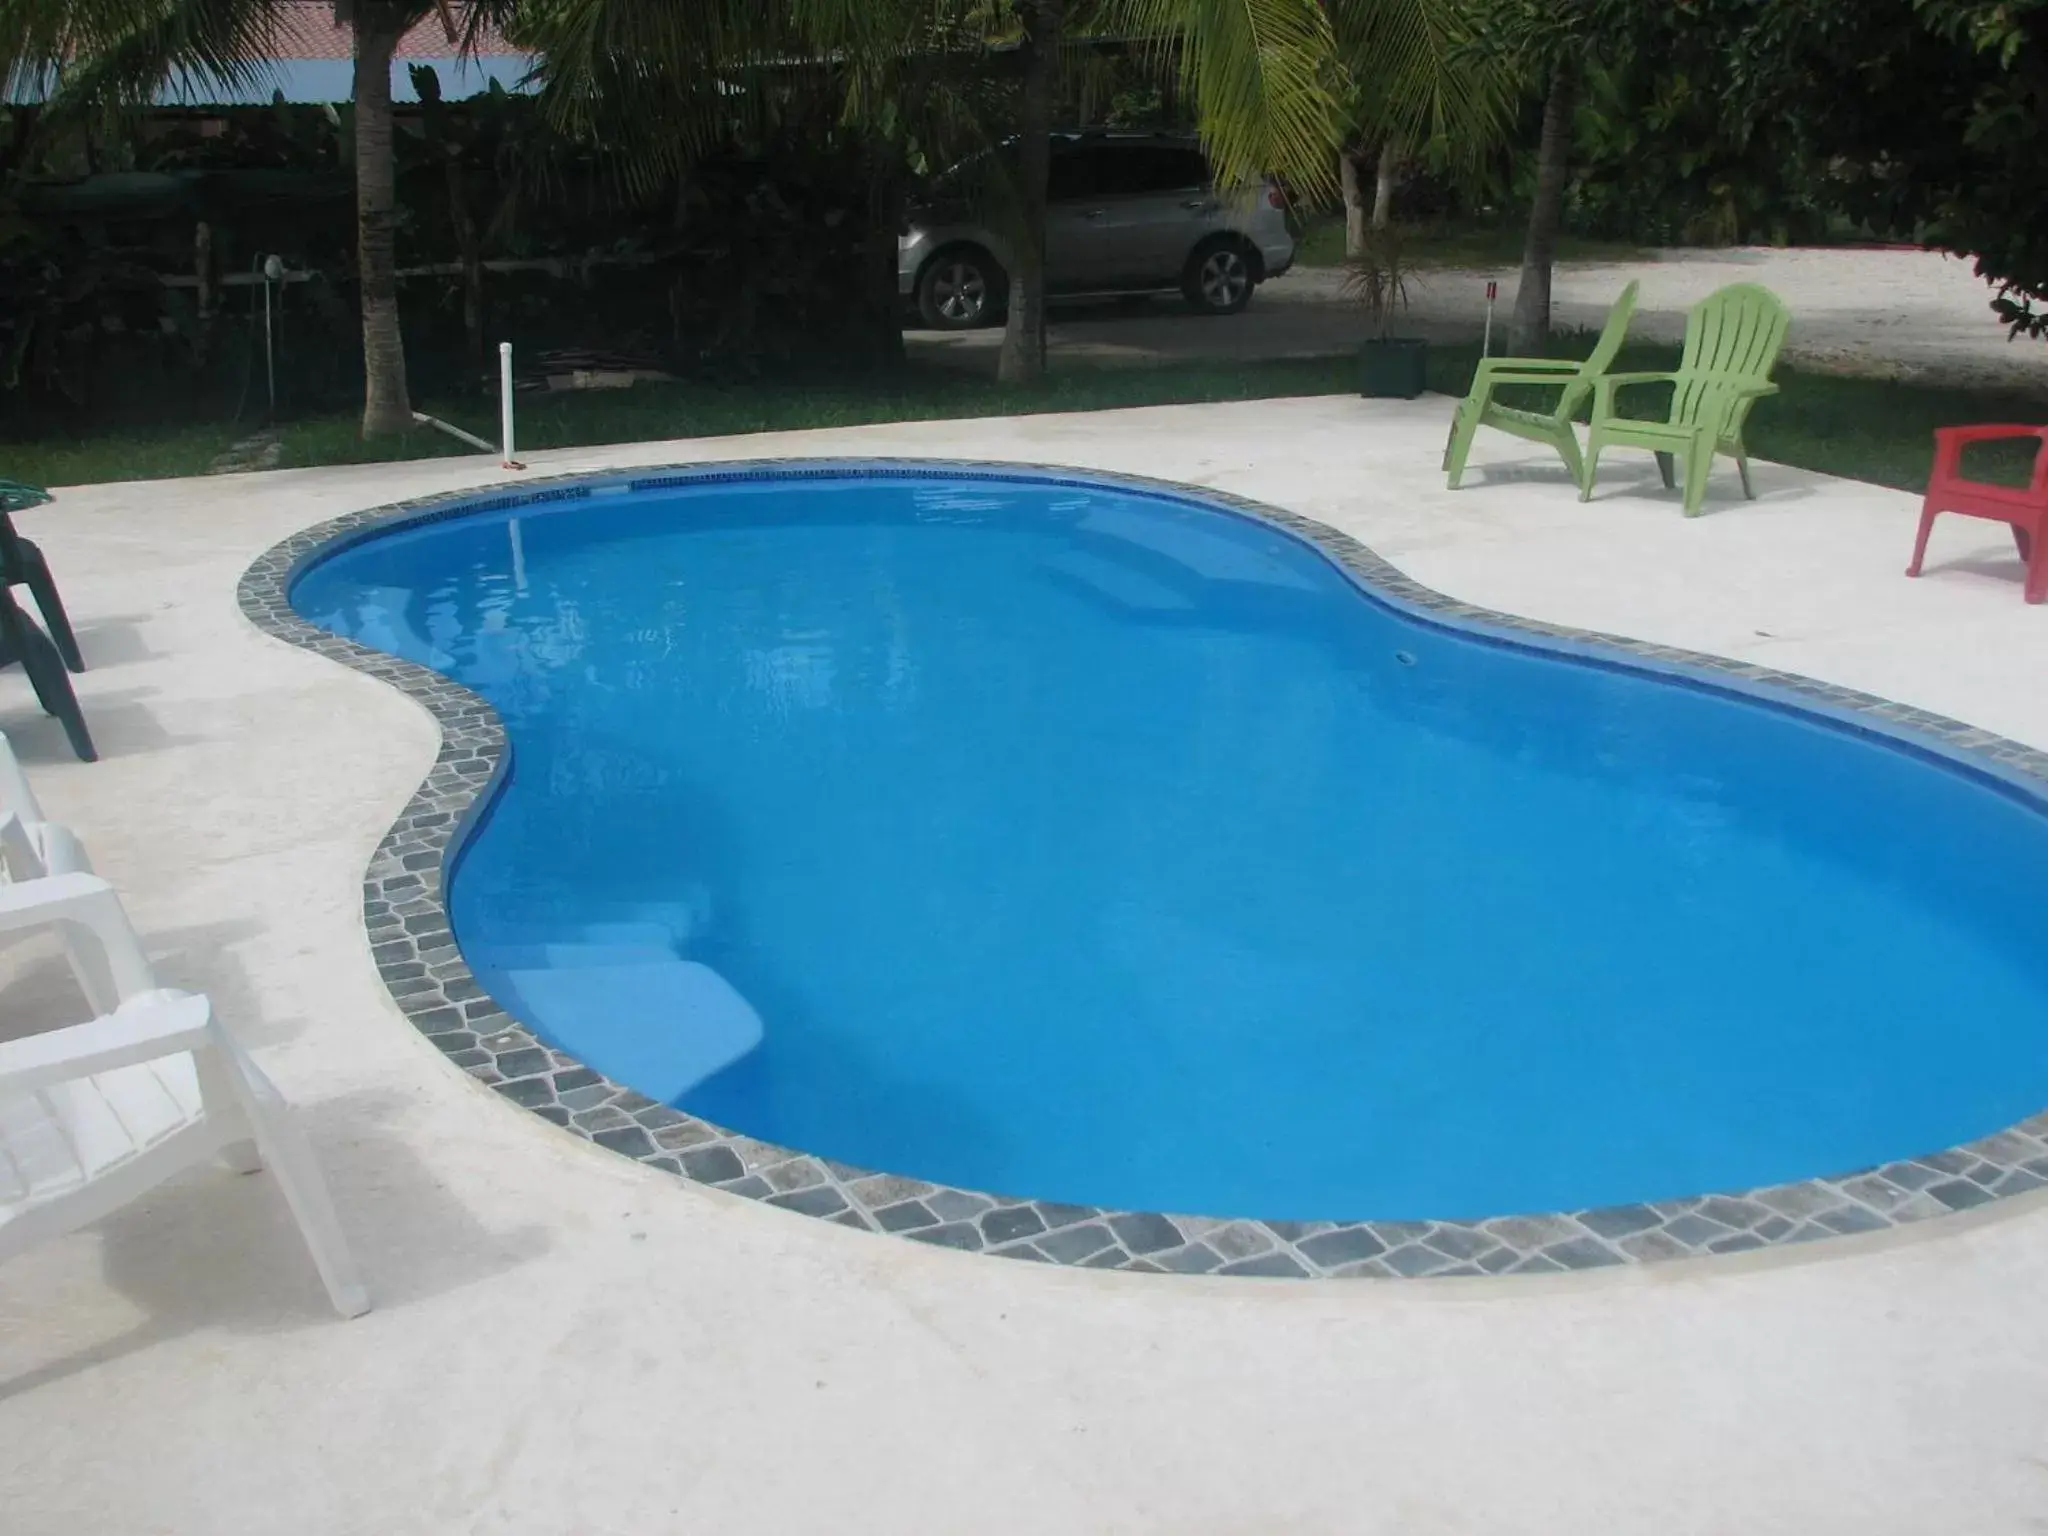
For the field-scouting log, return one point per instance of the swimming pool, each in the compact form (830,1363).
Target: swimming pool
(1117,849)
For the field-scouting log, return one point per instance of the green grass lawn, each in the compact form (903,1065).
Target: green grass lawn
(1490,247)
(1860,428)
(166,453)
(651,412)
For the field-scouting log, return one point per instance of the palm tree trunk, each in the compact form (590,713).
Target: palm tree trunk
(1383,183)
(1355,211)
(887,183)
(387,407)
(206,297)
(1023,355)
(1553,172)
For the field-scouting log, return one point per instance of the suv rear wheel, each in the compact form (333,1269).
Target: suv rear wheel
(960,289)
(1219,277)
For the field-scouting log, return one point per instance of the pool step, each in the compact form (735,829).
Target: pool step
(639,933)
(647,929)
(573,955)
(662,1025)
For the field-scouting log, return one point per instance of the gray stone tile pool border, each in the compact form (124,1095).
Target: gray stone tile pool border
(416,955)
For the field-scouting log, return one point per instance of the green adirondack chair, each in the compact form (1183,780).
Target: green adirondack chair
(1732,339)
(1574,382)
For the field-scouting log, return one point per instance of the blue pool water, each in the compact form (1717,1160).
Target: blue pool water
(1105,847)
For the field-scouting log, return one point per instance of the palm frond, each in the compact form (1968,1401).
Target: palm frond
(1418,76)
(657,83)
(1262,76)
(101,55)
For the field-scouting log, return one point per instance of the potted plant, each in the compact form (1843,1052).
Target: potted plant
(1390,367)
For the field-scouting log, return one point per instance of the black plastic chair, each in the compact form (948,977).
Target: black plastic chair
(22,640)
(45,660)
(22,565)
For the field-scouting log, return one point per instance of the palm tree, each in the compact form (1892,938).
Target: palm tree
(1549,44)
(111,55)
(1414,82)
(378,25)
(1531,328)
(1263,78)
(1274,83)
(1022,359)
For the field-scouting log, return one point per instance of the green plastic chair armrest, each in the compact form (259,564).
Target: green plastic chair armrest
(1605,386)
(1487,385)
(1529,365)
(1494,372)
(1616,379)
(1517,376)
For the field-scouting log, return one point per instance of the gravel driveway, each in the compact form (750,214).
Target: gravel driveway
(1891,313)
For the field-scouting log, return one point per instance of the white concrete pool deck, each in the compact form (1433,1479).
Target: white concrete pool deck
(566,1341)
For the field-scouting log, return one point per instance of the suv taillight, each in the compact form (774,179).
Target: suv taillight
(1275,198)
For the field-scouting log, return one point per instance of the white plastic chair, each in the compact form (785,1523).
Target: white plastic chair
(93,1115)
(92,930)
(39,846)
(15,794)
(59,851)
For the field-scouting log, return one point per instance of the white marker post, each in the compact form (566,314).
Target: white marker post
(273,274)
(505,424)
(505,402)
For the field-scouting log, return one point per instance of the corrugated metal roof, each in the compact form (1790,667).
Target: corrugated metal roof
(306,29)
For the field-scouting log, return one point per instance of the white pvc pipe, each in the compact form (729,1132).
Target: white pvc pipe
(505,401)
(269,349)
(451,429)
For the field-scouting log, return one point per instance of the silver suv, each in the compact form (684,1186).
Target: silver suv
(1127,213)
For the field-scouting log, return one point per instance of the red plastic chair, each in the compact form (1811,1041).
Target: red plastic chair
(2023,507)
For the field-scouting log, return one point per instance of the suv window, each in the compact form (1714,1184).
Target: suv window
(1076,174)
(1136,169)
